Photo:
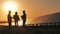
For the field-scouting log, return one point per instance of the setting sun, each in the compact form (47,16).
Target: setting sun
(10,6)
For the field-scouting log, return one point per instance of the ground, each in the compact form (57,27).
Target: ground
(28,30)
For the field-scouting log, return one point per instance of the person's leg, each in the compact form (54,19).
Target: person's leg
(10,25)
(15,23)
(23,23)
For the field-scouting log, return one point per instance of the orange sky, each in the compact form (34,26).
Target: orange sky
(34,8)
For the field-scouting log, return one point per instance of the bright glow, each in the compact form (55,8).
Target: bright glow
(20,23)
(10,6)
(13,23)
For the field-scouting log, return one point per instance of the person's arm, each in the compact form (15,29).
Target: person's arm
(22,16)
(13,17)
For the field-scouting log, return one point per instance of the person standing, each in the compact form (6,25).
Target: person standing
(24,17)
(16,18)
(9,18)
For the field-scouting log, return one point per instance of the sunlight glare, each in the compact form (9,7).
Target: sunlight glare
(10,6)
(20,23)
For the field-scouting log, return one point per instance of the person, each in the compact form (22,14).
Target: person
(24,17)
(9,18)
(16,18)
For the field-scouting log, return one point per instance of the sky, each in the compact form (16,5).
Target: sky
(33,8)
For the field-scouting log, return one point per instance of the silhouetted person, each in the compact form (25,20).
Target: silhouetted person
(16,18)
(9,18)
(24,17)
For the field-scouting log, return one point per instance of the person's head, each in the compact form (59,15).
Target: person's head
(9,11)
(16,13)
(24,11)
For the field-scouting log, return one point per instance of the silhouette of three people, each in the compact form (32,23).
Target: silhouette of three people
(16,18)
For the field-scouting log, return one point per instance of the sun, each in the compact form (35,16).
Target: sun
(10,6)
